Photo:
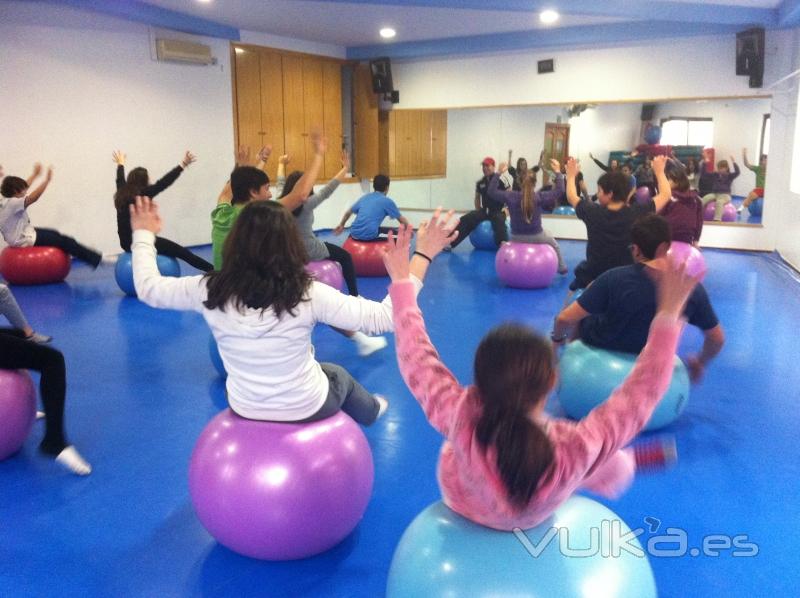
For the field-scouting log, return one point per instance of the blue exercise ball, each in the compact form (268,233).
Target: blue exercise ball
(589,375)
(213,352)
(483,236)
(442,554)
(564,211)
(123,271)
(652,135)
(756,208)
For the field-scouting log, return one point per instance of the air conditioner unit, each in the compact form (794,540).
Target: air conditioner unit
(177,50)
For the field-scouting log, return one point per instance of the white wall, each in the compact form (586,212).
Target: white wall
(737,124)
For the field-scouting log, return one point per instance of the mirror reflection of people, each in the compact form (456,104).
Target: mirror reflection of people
(684,210)
(761,175)
(613,165)
(721,180)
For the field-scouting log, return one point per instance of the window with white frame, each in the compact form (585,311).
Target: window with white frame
(687,131)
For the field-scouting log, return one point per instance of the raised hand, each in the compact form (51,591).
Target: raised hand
(660,164)
(284,159)
(37,170)
(118,157)
(265,153)
(345,161)
(242,155)
(502,168)
(396,255)
(573,167)
(434,236)
(319,140)
(49,176)
(188,158)
(555,165)
(145,216)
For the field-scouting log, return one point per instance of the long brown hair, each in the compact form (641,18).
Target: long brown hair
(514,371)
(529,206)
(138,179)
(263,262)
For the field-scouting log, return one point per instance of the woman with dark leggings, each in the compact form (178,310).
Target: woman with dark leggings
(19,350)
(138,183)
(319,250)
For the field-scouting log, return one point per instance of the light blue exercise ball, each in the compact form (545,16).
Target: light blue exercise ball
(483,236)
(564,211)
(442,554)
(756,208)
(589,375)
(213,352)
(123,271)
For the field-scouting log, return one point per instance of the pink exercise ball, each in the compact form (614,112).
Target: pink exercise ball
(17,410)
(643,195)
(327,272)
(280,491)
(34,265)
(691,256)
(729,213)
(526,265)
(367,256)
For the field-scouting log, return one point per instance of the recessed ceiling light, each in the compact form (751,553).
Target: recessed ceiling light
(548,17)
(388,33)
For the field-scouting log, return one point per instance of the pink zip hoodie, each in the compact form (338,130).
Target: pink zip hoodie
(587,454)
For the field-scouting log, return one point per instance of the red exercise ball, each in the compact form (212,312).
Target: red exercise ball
(34,265)
(367,256)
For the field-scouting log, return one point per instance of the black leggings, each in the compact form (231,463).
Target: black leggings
(172,249)
(337,254)
(47,237)
(18,353)
(470,221)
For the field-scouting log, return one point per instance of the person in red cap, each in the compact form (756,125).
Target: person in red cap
(485,209)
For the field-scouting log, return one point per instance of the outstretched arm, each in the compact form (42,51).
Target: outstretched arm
(299,194)
(573,168)
(118,157)
(169,178)
(745,160)
(340,228)
(328,189)
(664,189)
(34,195)
(602,166)
(37,170)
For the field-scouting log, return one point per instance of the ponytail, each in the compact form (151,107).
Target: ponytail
(529,206)
(513,373)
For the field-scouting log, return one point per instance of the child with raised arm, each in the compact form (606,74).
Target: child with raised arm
(721,180)
(15,224)
(504,463)
(262,307)
(761,177)
(138,183)
(525,209)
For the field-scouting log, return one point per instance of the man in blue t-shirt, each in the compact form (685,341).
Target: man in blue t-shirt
(370,211)
(616,310)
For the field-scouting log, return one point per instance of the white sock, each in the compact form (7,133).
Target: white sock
(109,259)
(383,405)
(367,345)
(40,415)
(71,459)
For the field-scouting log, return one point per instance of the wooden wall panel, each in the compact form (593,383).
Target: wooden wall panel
(365,124)
(293,112)
(272,107)
(332,116)
(248,99)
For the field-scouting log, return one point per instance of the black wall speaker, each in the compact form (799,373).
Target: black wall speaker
(750,55)
(381,70)
(647,112)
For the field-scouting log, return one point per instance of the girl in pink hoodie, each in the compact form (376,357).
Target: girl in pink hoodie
(504,463)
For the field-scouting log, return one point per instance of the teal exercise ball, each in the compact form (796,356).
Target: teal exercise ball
(589,375)
(442,554)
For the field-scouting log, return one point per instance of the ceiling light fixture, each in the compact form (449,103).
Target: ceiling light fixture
(548,17)
(388,33)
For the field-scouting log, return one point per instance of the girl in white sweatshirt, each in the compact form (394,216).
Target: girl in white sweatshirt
(262,307)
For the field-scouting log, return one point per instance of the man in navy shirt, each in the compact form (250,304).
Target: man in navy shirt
(615,311)
(370,211)
(485,209)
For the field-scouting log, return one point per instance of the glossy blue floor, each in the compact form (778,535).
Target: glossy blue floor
(141,388)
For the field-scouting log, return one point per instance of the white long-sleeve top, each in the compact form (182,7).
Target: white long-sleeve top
(272,372)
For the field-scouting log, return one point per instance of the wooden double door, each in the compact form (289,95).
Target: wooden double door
(280,97)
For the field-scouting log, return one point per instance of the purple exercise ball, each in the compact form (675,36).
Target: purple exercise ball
(691,256)
(280,491)
(327,272)
(728,212)
(643,195)
(526,265)
(17,410)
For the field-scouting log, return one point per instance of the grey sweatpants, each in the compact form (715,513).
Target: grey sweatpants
(10,309)
(345,393)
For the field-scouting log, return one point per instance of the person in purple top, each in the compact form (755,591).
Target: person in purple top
(721,180)
(524,208)
(684,211)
